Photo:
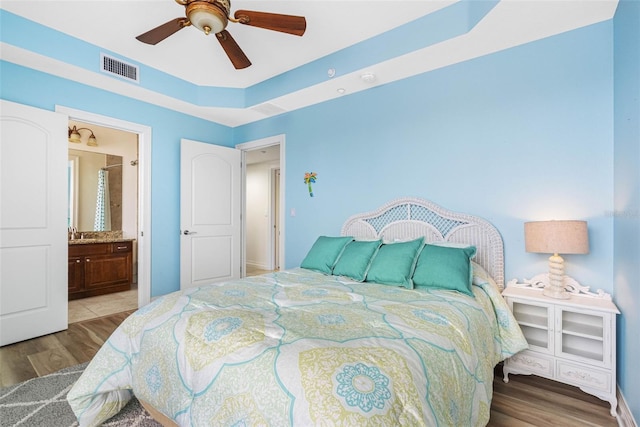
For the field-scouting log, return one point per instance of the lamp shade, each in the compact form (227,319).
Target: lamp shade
(92,142)
(74,135)
(556,237)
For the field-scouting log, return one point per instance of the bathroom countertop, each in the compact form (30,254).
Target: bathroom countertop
(99,240)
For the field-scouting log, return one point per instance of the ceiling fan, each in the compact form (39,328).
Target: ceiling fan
(212,16)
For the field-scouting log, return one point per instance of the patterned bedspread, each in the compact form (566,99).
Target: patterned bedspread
(298,348)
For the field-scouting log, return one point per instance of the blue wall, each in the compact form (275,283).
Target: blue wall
(523,134)
(29,87)
(627,196)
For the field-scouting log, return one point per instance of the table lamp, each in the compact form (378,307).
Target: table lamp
(556,237)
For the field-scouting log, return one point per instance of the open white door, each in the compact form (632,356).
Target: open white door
(210,213)
(33,223)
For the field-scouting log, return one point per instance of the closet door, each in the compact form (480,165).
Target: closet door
(210,213)
(33,222)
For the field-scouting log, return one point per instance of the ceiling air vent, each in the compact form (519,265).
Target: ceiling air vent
(268,109)
(119,68)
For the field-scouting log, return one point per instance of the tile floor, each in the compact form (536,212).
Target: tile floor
(103,305)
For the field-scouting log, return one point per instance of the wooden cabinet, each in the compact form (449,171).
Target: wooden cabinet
(99,268)
(570,340)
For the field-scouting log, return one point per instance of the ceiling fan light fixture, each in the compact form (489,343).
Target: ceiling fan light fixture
(207,17)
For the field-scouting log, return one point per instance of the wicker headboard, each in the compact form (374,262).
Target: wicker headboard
(410,218)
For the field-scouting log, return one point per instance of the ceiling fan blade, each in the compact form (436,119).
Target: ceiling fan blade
(290,24)
(233,51)
(163,31)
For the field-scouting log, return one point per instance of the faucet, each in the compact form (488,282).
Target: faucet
(72,233)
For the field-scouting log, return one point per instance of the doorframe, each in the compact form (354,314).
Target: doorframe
(144,189)
(274,185)
(253,145)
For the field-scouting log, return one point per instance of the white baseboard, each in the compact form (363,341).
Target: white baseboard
(625,417)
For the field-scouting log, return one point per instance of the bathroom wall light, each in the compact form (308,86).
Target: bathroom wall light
(74,136)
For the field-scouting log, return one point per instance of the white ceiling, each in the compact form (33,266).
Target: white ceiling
(331,26)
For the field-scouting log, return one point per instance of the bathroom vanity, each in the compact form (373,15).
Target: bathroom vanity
(99,266)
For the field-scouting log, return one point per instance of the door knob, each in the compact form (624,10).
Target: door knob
(187,232)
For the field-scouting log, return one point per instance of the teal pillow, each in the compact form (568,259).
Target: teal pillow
(324,253)
(356,259)
(443,267)
(394,263)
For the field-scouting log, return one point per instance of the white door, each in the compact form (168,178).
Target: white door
(33,223)
(210,211)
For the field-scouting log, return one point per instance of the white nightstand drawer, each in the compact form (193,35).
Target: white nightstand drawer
(534,363)
(584,376)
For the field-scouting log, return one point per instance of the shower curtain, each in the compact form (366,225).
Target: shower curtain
(102,220)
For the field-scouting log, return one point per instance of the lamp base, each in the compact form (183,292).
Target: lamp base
(555,288)
(557,293)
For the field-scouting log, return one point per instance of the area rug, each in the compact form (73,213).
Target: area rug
(42,402)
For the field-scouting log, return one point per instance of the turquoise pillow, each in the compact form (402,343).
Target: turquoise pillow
(324,253)
(443,267)
(356,259)
(394,263)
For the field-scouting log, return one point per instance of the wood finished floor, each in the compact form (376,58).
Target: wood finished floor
(525,401)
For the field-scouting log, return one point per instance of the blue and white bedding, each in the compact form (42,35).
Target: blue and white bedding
(300,348)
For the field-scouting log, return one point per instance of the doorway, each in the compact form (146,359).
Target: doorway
(263,200)
(103,198)
(141,230)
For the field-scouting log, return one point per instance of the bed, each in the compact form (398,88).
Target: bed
(347,339)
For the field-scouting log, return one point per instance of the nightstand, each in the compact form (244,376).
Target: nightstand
(570,340)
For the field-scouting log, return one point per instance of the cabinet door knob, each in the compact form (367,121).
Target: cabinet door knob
(77,261)
(88,259)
